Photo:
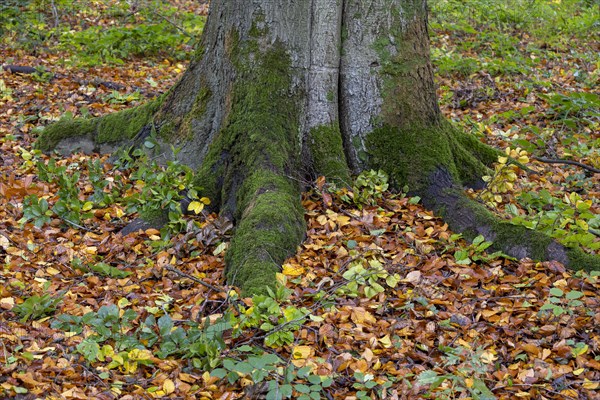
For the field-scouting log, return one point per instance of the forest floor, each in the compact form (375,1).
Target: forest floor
(381,301)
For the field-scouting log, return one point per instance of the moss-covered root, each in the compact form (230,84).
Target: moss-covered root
(411,155)
(471,218)
(271,227)
(436,162)
(102,134)
(327,151)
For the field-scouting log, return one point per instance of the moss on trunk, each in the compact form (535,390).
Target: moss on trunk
(252,164)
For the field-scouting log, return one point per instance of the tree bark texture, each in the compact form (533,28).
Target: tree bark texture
(282,91)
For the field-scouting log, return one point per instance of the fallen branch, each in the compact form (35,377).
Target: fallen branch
(570,162)
(19,69)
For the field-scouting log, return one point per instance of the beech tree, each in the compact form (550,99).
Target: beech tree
(279,92)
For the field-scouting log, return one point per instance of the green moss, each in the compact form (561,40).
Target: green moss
(167,130)
(487,155)
(198,54)
(196,113)
(111,128)
(327,150)
(250,164)
(270,228)
(65,128)
(123,125)
(580,260)
(155,218)
(258,28)
(330,96)
(409,156)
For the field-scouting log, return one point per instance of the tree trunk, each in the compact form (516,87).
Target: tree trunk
(282,91)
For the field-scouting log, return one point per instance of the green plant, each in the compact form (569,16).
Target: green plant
(162,190)
(115,97)
(283,381)
(364,275)
(561,303)
(368,187)
(5,91)
(570,220)
(155,28)
(366,385)
(475,251)
(100,268)
(115,336)
(37,210)
(504,177)
(573,110)
(468,369)
(42,75)
(37,306)
(267,314)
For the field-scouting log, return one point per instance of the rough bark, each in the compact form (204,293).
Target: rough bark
(280,92)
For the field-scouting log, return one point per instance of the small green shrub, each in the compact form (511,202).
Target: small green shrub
(560,302)
(467,376)
(37,306)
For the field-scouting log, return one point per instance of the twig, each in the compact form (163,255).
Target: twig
(181,273)
(80,226)
(179,28)
(55,14)
(570,162)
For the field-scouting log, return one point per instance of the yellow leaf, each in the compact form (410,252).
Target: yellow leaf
(168,386)
(87,206)
(205,200)
(488,357)
(301,352)
(342,220)
(587,384)
(469,382)
(140,354)
(360,316)
(123,302)
(322,219)
(196,207)
(577,351)
(292,270)
(386,341)
(579,371)
(91,250)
